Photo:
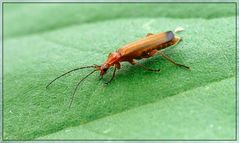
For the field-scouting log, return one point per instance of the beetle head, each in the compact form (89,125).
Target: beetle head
(103,69)
(112,59)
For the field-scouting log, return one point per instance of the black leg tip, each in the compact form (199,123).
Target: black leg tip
(156,70)
(184,66)
(187,67)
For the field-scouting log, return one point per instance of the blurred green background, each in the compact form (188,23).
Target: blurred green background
(42,41)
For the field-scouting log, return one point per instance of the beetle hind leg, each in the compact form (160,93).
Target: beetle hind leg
(172,61)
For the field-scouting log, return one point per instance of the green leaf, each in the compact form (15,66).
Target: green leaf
(173,104)
(38,18)
(176,117)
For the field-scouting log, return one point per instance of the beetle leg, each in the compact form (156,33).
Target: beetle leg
(117,65)
(151,53)
(149,34)
(112,76)
(133,62)
(166,57)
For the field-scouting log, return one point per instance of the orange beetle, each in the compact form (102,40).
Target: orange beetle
(142,48)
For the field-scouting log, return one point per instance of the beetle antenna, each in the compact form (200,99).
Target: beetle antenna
(94,66)
(73,95)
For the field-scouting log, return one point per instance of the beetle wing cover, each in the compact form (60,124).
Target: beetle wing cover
(146,43)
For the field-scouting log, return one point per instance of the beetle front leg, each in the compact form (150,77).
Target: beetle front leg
(117,66)
(112,76)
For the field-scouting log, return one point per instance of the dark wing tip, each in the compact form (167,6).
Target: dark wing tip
(170,35)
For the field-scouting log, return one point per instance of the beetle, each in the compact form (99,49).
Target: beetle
(142,48)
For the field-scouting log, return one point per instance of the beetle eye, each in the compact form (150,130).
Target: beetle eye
(105,69)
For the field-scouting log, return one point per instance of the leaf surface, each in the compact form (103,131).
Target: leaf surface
(175,103)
